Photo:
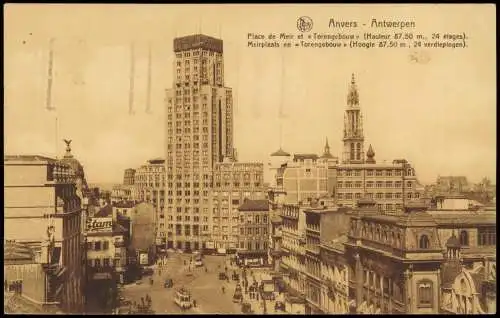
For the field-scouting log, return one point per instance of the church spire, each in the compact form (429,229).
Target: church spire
(353,127)
(326,153)
(353,96)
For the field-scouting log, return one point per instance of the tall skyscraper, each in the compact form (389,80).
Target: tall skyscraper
(199,134)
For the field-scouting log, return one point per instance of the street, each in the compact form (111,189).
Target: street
(205,288)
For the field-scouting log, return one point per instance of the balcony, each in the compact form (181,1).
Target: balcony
(313,227)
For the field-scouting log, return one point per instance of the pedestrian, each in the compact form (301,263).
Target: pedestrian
(194,303)
(223,289)
(206,270)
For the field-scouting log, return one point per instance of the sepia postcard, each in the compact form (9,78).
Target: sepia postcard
(249,159)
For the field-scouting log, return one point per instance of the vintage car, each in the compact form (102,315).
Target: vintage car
(169,283)
(236,277)
(279,306)
(246,308)
(222,276)
(238,295)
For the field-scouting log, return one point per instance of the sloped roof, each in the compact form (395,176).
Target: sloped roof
(14,251)
(327,155)
(28,158)
(124,204)
(280,153)
(105,212)
(305,156)
(255,205)
(118,229)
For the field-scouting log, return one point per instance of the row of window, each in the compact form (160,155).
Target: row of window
(254,246)
(188,123)
(375,172)
(372,184)
(98,245)
(187,107)
(103,262)
(253,231)
(379,195)
(197,53)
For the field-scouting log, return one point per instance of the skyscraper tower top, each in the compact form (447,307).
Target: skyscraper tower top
(198,41)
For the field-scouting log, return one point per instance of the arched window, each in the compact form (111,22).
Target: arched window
(358,151)
(352,151)
(464,238)
(424,242)
(424,293)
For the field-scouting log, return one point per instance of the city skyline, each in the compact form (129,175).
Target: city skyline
(424,125)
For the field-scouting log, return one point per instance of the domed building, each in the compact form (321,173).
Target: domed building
(76,166)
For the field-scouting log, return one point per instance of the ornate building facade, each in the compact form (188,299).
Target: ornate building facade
(360,176)
(41,194)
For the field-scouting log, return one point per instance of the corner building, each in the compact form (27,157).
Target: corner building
(199,134)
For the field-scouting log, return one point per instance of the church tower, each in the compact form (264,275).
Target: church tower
(353,128)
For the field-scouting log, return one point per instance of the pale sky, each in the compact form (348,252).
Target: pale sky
(439,115)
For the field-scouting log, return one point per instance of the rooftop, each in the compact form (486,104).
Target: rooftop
(198,41)
(28,158)
(104,212)
(255,205)
(280,153)
(125,204)
(305,156)
(156,161)
(15,251)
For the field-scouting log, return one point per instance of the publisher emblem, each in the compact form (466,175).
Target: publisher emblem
(304,24)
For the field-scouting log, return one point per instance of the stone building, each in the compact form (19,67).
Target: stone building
(394,261)
(360,176)
(129,177)
(42,194)
(233,183)
(254,233)
(307,177)
(199,134)
(106,261)
(324,222)
(334,276)
(293,261)
(150,188)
